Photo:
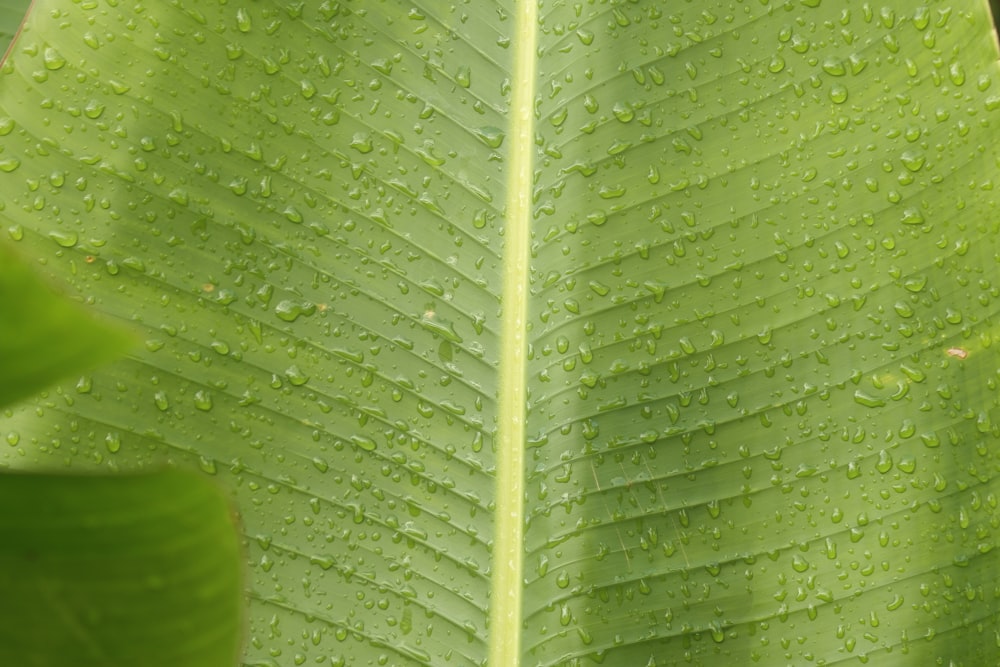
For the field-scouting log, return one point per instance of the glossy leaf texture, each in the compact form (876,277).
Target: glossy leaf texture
(761,363)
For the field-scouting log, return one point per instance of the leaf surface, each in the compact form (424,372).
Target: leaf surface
(622,333)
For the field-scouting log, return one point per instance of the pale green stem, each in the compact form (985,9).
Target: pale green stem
(508,553)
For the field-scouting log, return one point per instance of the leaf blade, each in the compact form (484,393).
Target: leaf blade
(340,369)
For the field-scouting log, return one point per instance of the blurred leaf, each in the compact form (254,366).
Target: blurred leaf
(118,570)
(11,14)
(624,333)
(44,337)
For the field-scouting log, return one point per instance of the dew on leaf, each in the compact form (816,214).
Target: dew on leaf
(289,311)
(619,147)
(623,112)
(915,283)
(364,442)
(243,20)
(203,400)
(93,109)
(490,135)
(834,67)
(597,218)
(956,73)
(362,142)
(861,398)
(53,59)
(912,161)
(439,326)
(884,463)
(599,288)
(207,465)
(296,376)
(179,196)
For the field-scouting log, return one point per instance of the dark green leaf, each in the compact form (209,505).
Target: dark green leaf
(110,571)
(44,337)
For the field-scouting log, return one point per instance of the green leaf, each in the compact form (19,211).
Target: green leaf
(11,14)
(118,570)
(622,333)
(44,337)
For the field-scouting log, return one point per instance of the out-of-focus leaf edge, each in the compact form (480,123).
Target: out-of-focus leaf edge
(43,335)
(118,570)
(12,15)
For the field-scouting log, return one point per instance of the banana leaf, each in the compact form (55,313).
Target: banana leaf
(627,333)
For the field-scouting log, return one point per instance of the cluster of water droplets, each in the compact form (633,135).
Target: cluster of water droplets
(752,330)
(761,360)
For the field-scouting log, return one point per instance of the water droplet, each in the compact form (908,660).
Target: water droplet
(64,239)
(289,311)
(364,442)
(295,376)
(207,465)
(838,94)
(93,109)
(623,112)
(179,196)
(565,615)
(956,73)
(490,135)
(243,21)
(912,161)
(203,400)
(884,463)
(362,142)
(864,399)
(53,59)
(834,67)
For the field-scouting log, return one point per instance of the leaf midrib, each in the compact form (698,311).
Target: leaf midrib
(507,580)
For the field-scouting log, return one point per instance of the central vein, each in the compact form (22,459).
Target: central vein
(508,553)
